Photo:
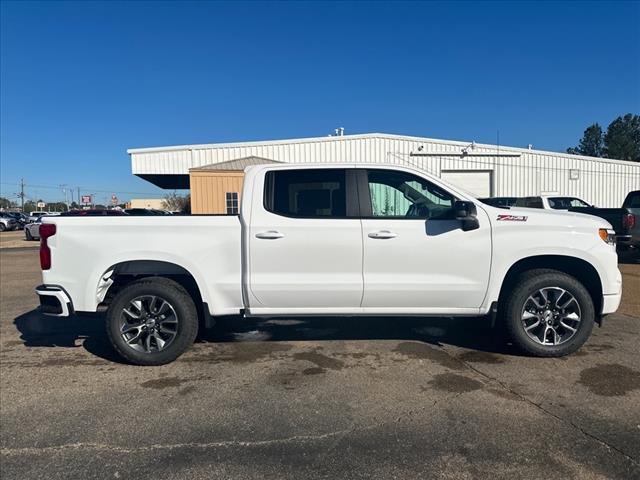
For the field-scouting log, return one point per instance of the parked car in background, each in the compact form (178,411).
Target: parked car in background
(334,239)
(550,202)
(33,216)
(32,229)
(20,217)
(7,222)
(632,204)
(500,202)
(92,213)
(145,212)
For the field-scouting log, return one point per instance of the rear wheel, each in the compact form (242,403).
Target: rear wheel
(27,234)
(2,227)
(152,321)
(548,313)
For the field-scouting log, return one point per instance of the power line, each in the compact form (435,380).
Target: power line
(53,187)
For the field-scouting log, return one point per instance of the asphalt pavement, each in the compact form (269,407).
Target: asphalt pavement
(313,398)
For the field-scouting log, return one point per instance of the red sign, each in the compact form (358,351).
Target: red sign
(86,199)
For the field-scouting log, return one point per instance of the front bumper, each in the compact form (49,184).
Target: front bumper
(54,301)
(610,303)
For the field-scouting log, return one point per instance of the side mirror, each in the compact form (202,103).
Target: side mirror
(467,213)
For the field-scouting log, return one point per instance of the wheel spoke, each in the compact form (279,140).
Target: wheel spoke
(126,328)
(135,316)
(573,316)
(526,315)
(159,341)
(571,329)
(135,338)
(533,325)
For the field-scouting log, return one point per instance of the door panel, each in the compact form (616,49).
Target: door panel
(304,253)
(416,256)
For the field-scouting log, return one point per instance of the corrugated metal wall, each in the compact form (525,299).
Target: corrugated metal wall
(208,190)
(601,182)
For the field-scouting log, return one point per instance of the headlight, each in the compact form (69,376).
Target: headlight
(607,235)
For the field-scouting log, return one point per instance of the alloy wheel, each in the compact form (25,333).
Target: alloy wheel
(148,324)
(551,316)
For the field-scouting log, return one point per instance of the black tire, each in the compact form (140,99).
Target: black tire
(179,300)
(2,227)
(512,312)
(28,235)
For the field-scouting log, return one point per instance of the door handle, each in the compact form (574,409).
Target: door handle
(383,234)
(270,235)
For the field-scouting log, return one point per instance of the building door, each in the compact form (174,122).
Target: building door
(476,182)
(305,243)
(417,259)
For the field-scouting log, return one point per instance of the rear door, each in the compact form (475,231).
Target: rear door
(305,243)
(417,259)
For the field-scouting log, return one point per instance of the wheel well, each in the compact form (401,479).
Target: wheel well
(126,272)
(576,267)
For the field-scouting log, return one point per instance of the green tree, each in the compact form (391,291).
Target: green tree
(591,143)
(622,140)
(6,203)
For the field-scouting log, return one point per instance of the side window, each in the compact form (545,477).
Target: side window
(317,193)
(403,195)
(534,202)
(231,199)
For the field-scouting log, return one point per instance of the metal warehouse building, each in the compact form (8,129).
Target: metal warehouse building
(214,171)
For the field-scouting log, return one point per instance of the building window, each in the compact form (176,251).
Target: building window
(232,203)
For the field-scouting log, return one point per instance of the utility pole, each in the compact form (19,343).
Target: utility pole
(22,195)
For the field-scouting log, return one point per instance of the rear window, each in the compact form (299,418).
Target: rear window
(632,200)
(530,202)
(316,193)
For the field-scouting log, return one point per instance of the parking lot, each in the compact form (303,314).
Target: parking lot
(314,398)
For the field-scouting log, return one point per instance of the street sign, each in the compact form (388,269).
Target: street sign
(86,199)
(41,204)
(114,200)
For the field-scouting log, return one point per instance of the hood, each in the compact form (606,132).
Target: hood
(553,217)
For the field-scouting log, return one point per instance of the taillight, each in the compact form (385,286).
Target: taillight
(628,221)
(46,230)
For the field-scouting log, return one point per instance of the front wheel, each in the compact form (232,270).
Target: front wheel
(548,313)
(27,234)
(152,321)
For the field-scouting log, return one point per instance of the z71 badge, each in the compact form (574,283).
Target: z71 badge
(512,218)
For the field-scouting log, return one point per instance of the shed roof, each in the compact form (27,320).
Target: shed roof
(238,164)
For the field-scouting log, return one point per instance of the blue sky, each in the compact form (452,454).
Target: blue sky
(82,82)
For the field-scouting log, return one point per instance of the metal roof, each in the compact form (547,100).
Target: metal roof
(235,165)
(363,136)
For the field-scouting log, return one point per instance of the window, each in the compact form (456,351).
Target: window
(632,200)
(314,193)
(403,195)
(232,203)
(564,203)
(530,202)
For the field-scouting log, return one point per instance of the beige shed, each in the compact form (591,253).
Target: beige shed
(217,188)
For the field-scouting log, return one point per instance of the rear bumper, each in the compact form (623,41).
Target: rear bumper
(54,301)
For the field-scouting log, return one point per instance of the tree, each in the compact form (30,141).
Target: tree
(591,143)
(177,203)
(622,140)
(6,203)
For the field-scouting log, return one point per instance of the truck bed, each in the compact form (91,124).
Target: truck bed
(88,247)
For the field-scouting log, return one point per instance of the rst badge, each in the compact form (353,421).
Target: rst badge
(512,218)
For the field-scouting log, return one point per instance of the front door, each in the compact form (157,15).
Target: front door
(305,243)
(417,259)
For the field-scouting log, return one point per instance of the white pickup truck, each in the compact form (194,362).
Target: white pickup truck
(334,239)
